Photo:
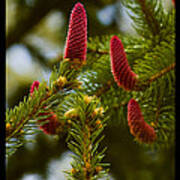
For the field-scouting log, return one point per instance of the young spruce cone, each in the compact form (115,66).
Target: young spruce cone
(138,127)
(76,42)
(52,121)
(121,70)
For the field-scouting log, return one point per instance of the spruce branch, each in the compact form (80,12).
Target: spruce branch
(30,115)
(63,81)
(142,85)
(149,16)
(82,116)
(87,123)
(162,72)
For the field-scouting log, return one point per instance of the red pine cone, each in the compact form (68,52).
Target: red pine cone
(76,42)
(34,85)
(51,125)
(121,70)
(138,127)
(52,121)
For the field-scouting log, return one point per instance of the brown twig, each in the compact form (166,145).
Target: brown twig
(107,85)
(161,73)
(86,154)
(20,125)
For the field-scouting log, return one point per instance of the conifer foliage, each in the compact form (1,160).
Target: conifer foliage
(51,123)
(128,81)
(87,121)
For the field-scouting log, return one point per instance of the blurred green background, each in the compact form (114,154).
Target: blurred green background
(36,32)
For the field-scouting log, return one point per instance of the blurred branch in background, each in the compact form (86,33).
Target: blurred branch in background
(41,59)
(25,22)
(28,18)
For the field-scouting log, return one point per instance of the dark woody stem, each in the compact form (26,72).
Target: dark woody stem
(24,120)
(161,73)
(86,153)
(153,78)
